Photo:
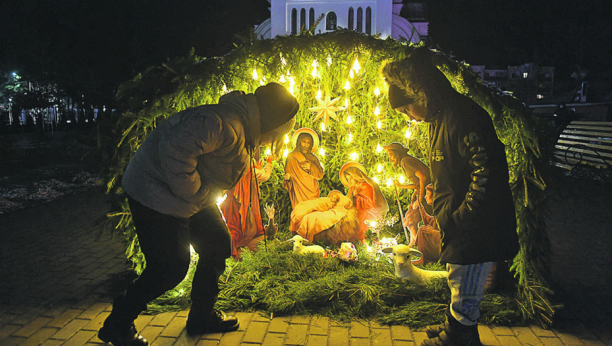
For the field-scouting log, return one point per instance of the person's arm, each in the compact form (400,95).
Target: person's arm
(316,170)
(410,186)
(263,174)
(422,179)
(467,212)
(179,152)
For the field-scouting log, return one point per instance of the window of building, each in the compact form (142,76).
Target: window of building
(351,19)
(293,21)
(331,20)
(368,26)
(311,18)
(302,19)
(359,19)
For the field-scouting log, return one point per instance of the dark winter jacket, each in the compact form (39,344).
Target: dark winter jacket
(192,157)
(491,235)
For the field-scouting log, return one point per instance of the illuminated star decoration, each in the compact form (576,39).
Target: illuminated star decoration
(327,108)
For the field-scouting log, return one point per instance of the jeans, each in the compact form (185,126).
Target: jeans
(164,241)
(467,283)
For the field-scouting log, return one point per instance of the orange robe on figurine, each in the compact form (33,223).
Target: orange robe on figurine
(302,168)
(244,223)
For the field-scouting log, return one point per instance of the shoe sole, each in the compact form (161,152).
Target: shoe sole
(209,330)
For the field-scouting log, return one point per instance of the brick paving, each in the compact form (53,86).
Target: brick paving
(57,281)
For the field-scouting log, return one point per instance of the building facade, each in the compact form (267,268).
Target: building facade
(528,82)
(372,17)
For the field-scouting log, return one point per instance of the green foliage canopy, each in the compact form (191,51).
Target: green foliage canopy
(343,65)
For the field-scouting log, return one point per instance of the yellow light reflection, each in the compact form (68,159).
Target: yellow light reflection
(356,66)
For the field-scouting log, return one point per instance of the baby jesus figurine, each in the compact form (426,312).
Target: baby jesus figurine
(309,218)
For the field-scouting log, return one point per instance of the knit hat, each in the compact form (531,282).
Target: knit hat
(276,106)
(397,97)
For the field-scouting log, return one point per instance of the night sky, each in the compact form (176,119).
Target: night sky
(92,46)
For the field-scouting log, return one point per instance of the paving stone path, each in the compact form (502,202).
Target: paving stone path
(57,281)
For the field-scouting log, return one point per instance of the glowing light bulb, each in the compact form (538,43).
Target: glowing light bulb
(268,152)
(286,138)
(291,84)
(379,168)
(401,179)
(282,79)
(224,89)
(354,156)
(349,119)
(319,94)
(347,85)
(378,148)
(221,199)
(408,133)
(255,76)
(356,66)
(322,126)
(377,111)
(283,61)
(376,180)
(329,60)
(389,182)
(379,124)
(369,249)
(376,91)
(285,153)
(321,151)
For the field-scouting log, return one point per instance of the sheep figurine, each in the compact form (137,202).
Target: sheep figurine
(404,268)
(299,248)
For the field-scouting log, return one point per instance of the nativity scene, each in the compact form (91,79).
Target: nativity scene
(351,170)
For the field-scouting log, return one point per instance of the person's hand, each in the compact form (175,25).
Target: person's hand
(479,154)
(474,195)
(270,158)
(287,176)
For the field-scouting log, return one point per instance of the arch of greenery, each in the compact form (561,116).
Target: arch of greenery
(343,65)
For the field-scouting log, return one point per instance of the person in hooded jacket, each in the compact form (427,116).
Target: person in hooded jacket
(472,200)
(173,182)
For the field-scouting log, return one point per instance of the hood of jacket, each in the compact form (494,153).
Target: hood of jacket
(421,80)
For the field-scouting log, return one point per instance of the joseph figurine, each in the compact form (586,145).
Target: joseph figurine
(302,168)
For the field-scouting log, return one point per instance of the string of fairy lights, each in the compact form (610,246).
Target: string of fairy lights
(352,124)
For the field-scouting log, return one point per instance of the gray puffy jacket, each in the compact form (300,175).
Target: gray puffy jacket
(191,158)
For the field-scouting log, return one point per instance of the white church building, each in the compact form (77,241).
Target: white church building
(289,17)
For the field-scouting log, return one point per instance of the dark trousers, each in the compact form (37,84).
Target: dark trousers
(164,240)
